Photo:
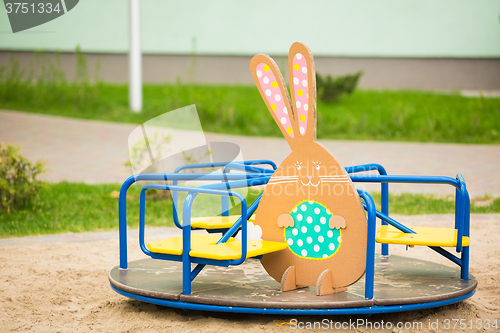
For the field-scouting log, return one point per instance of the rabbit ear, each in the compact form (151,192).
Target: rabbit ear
(273,90)
(303,89)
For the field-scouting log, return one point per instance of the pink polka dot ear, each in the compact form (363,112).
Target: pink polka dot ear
(300,90)
(303,89)
(270,86)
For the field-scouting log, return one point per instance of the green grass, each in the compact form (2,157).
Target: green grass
(237,109)
(75,207)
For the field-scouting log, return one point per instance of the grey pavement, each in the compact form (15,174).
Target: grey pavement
(95,152)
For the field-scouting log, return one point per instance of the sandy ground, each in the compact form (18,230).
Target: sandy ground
(63,287)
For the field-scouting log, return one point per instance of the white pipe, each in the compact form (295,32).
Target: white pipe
(135,62)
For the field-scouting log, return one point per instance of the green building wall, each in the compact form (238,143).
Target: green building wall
(358,28)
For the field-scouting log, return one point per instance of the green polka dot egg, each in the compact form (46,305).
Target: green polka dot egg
(311,236)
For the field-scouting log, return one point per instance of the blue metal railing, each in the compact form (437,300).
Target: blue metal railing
(237,184)
(187,274)
(248,166)
(384,192)
(122,200)
(462,211)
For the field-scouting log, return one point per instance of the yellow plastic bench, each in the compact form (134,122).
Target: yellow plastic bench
(204,246)
(442,237)
(216,222)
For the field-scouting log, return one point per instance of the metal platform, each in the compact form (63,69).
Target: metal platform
(401,284)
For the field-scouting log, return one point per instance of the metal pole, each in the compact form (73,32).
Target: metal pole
(135,63)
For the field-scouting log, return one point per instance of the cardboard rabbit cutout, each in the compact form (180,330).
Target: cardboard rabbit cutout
(310,202)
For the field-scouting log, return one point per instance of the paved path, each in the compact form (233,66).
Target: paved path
(94,152)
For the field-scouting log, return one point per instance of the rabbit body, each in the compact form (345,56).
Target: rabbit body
(310,202)
(342,250)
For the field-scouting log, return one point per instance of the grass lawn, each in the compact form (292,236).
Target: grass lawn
(75,207)
(237,109)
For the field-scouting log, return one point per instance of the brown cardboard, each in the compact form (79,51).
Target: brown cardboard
(324,284)
(310,178)
(288,280)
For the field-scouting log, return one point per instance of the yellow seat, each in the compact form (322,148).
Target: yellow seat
(174,245)
(424,236)
(204,246)
(216,222)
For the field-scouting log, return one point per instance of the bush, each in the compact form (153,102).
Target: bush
(330,89)
(18,183)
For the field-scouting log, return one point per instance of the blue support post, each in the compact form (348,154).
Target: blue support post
(370,244)
(122,221)
(464,273)
(224,201)
(460,230)
(244,233)
(384,208)
(186,244)
(175,201)
(142,222)
(457,210)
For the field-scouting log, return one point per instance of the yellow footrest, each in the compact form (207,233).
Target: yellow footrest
(443,237)
(216,222)
(205,246)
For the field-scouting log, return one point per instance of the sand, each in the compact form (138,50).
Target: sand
(63,287)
